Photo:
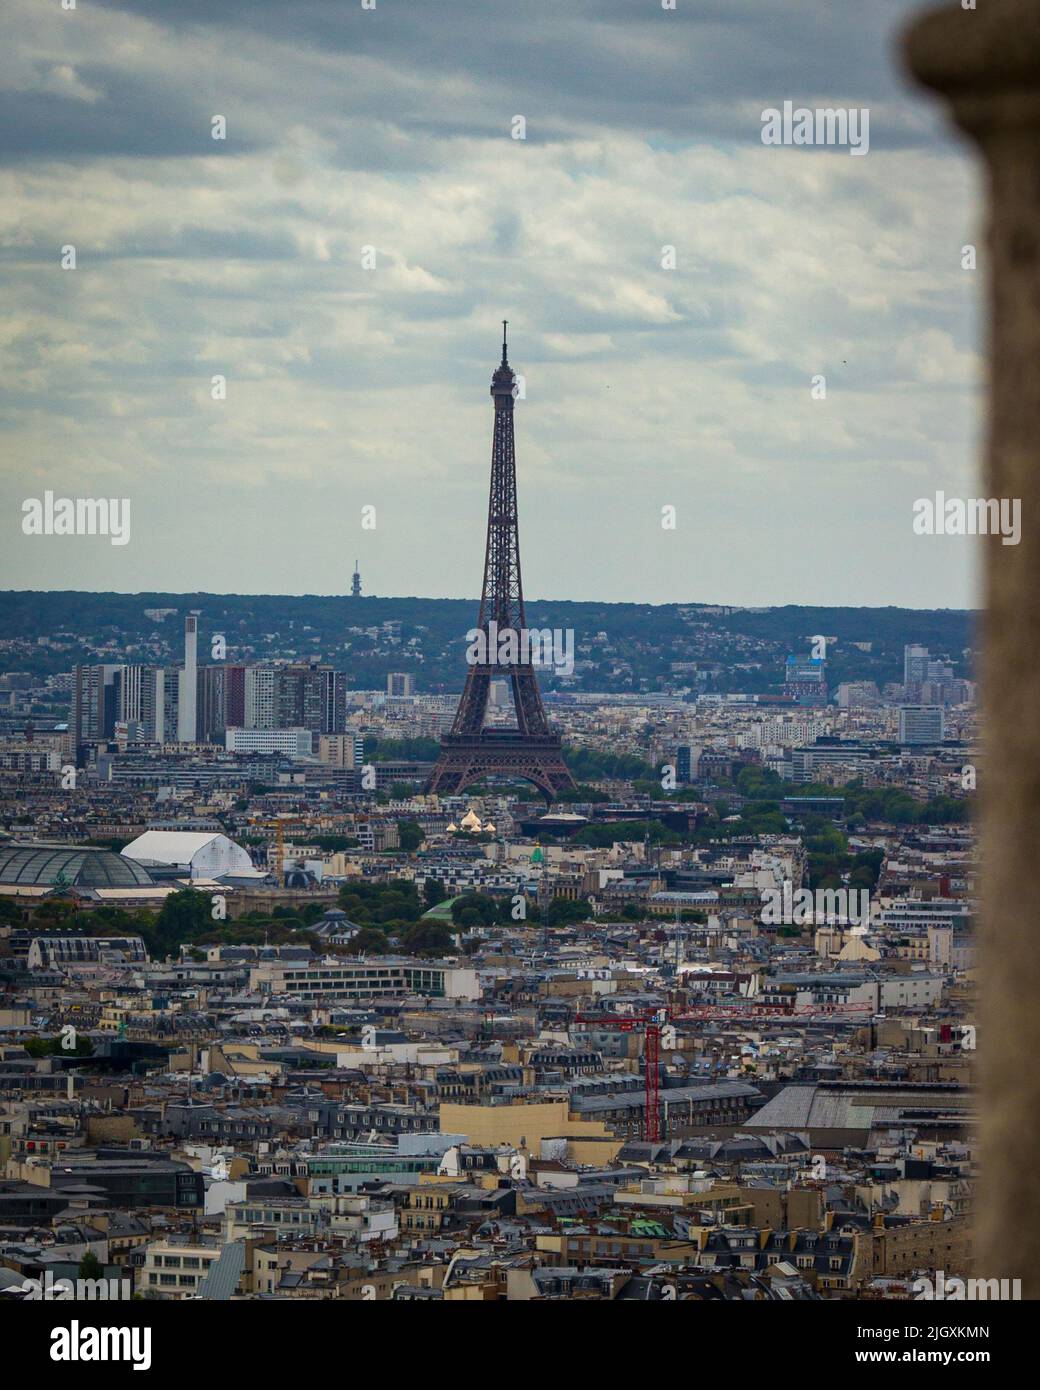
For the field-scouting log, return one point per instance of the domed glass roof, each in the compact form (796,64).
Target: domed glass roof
(79,866)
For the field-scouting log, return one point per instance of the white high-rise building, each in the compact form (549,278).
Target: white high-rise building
(159,705)
(139,705)
(188,683)
(132,687)
(259,697)
(915,664)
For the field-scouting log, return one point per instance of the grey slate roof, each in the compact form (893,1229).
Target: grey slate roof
(222,1278)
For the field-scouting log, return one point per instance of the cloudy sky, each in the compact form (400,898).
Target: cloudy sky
(392,128)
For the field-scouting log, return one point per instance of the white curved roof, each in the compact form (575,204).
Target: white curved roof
(169,846)
(206,852)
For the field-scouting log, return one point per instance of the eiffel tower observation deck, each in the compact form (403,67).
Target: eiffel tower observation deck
(529,750)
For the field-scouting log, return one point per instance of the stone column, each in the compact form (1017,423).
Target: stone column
(986,64)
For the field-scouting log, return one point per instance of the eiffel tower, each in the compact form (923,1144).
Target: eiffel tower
(530,750)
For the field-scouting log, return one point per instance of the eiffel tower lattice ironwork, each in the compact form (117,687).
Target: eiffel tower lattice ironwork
(530,750)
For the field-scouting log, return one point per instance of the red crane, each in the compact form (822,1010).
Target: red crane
(651,1024)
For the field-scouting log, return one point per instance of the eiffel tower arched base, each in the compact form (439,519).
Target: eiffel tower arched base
(508,753)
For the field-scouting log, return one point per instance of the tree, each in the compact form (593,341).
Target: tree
(381,750)
(581,792)
(90,1267)
(52,1047)
(427,938)
(410,835)
(758,782)
(369,941)
(335,844)
(565,910)
(185,914)
(589,764)
(370,903)
(484,910)
(603,834)
(54,909)
(395,907)
(434,892)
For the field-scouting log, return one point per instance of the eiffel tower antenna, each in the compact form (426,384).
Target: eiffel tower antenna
(530,750)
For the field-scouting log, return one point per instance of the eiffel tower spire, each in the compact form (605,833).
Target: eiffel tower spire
(530,750)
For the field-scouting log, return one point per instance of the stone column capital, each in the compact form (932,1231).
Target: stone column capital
(985,61)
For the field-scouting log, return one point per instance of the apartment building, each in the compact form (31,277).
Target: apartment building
(175,1269)
(333,980)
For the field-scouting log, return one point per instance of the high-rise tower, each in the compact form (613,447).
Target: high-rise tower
(188,682)
(530,750)
(355,583)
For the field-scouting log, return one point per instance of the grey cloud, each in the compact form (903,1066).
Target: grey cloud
(346,386)
(460,69)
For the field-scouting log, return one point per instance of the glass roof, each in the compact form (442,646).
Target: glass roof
(80,866)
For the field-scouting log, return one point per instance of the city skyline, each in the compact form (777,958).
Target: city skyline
(604,875)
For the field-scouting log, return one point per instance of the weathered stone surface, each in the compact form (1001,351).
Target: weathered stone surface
(986,63)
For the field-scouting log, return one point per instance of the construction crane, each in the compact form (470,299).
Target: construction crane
(651,1025)
(278,826)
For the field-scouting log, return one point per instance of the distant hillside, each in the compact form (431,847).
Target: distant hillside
(618,645)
